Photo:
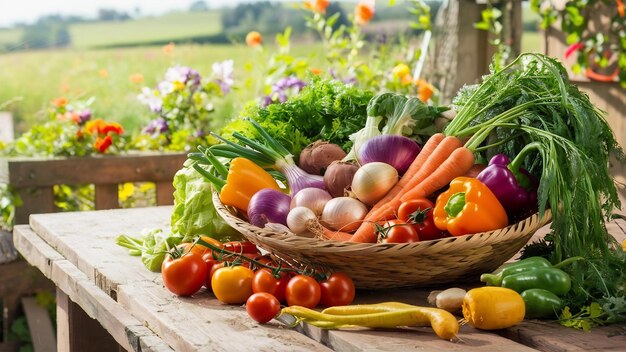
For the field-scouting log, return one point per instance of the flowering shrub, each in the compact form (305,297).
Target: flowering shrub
(184,103)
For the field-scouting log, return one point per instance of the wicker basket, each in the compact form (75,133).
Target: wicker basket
(378,265)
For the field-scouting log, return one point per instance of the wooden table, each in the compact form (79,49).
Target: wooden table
(100,286)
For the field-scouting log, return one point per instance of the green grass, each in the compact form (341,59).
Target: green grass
(175,25)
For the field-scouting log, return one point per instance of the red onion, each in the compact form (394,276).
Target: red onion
(268,205)
(397,151)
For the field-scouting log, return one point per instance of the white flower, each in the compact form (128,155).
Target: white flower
(223,73)
(151,98)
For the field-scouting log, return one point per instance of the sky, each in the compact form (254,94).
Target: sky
(15,11)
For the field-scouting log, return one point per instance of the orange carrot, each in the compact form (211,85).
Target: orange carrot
(386,208)
(457,164)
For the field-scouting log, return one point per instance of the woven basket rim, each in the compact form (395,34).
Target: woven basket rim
(394,249)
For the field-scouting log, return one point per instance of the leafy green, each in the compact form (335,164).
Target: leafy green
(151,246)
(194,213)
(531,101)
(325,109)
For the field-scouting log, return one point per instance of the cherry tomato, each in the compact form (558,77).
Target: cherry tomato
(337,290)
(241,247)
(303,291)
(262,307)
(398,231)
(232,284)
(184,276)
(420,213)
(264,281)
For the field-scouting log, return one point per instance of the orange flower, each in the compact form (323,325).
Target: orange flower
(364,12)
(424,90)
(318,6)
(316,71)
(136,78)
(254,39)
(102,144)
(59,102)
(103,73)
(94,125)
(406,79)
(73,116)
(169,48)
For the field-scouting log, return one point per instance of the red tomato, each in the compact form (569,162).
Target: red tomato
(420,213)
(184,276)
(233,284)
(212,264)
(337,290)
(241,247)
(303,291)
(397,231)
(264,281)
(262,307)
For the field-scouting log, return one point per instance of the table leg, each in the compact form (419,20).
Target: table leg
(76,331)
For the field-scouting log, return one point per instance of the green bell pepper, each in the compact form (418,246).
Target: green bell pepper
(495,278)
(552,279)
(541,303)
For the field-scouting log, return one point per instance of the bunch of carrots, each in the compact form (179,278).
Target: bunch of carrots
(442,159)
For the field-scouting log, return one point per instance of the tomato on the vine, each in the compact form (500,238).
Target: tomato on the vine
(420,213)
(184,275)
(337,290)
(303,291)
(232,284)
(262,307)
(398,231)
(265,281)
(212,264)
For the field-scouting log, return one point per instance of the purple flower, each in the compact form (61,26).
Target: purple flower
(349,80)
(84,116)
(182,74)
(156,126)
(223,73)
(282,90)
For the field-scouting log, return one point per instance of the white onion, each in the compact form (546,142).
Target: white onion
(343,214)
(312,198)
(302,221)
(373,180)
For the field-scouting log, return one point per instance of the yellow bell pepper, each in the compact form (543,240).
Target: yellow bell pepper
(244,179)
(468,206)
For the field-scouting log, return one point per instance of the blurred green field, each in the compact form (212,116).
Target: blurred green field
(171,26)
(40,76)
(176,25)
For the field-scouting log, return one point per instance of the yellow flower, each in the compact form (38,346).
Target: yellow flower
(136,78)
(103,73)
(125,191)
(401,70)
(624,245)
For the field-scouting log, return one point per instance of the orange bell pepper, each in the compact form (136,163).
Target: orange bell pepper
(244,179)
(468,206)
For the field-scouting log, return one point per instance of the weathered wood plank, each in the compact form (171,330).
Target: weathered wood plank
(164,193)
(124,328)
(98,169)
(40,324)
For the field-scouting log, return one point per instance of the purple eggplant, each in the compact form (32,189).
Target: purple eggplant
(515,188)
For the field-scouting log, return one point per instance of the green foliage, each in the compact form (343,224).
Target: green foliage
(325,109)
(152,246)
